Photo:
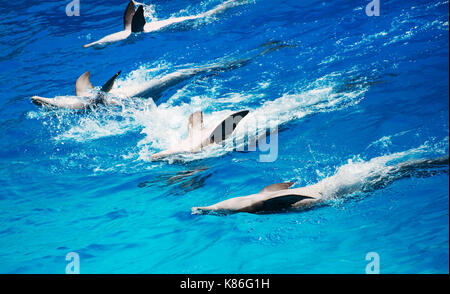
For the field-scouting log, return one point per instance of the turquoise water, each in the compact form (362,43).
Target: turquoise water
(347,92)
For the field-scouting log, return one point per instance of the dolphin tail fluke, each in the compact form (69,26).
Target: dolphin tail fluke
(100,98)
(109,84)
(128,16)
(227,126)
(138,21)
(83,84)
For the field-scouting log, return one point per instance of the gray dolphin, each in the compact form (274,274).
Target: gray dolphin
(85,96)
(273,198)
(279,197)
(157,86)
(153,88)
(199,137)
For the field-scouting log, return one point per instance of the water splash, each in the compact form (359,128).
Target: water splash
(361,176)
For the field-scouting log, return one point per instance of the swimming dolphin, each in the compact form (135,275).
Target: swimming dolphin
(156,87)
(279,197)
(273,198)
(85,96)
(148,89)
(134,22)
(200,137)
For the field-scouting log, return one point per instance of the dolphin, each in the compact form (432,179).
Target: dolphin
(148,89)
(134,22)
(157,86)
(273,198)
(85,96)
(199,137)
(279,197)
(153,88)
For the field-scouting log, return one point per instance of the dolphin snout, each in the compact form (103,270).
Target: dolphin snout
(38,100)
(210,210)
(199,210)
(195,210)
(162,154)
(157,156)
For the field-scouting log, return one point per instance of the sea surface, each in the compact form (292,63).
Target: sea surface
(343,92)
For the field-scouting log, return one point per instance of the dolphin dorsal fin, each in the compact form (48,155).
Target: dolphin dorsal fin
(138,21)
(195,124)
(128,16)
(227,126)
(83,84)
(277,187)
(109,84)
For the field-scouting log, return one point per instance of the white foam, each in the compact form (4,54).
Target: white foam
(358,175)
(166,126)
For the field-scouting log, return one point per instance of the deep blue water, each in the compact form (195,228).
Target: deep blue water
(349,88)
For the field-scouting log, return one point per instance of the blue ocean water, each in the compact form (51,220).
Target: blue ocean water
(347,91)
